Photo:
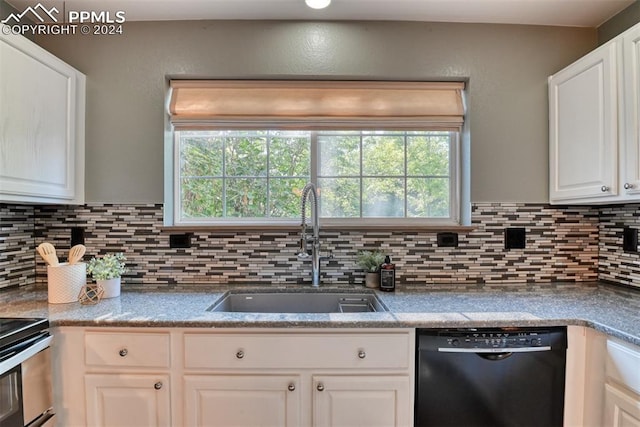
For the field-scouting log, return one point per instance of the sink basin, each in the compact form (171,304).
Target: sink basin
(297,302)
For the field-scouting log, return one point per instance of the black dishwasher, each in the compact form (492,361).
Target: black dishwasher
(490,377)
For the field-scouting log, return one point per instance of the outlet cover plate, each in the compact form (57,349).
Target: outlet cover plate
(515,238)
(630,239)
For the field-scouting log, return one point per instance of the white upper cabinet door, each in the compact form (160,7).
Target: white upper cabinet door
(631,96)
(583,128)
(41,125)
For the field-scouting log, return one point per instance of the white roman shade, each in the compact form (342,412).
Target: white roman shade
(254,104)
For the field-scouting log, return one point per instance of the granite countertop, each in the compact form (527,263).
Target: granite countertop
(607,308)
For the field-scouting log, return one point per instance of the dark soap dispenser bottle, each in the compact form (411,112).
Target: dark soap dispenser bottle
(387,275)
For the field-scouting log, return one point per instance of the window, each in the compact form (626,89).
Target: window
(250,175)
(373,176)
(380,153)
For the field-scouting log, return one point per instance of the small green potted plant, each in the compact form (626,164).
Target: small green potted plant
(107,271)
(370,261)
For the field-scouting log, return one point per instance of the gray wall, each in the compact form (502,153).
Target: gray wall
(506,67)
(619,23)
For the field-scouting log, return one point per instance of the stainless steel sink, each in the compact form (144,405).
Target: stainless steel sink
(298,302)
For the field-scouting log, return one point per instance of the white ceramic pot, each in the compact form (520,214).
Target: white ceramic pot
(111,287)
(372,280)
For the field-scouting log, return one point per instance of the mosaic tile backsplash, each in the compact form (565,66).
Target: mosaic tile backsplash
(562,244)
(17,245)
(615,264)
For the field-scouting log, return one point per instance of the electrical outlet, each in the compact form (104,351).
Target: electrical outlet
(77,236)
(630,239)
(515,238)
(180,240)
(447,240)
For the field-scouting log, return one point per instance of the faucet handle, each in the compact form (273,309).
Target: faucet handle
(303,252)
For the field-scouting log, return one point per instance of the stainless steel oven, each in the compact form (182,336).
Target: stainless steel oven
(25,373)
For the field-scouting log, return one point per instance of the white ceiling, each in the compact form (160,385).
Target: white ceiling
(575,13)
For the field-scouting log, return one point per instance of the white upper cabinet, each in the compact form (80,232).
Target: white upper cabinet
(583,128)
(42,102)
(631,96)
(594,154)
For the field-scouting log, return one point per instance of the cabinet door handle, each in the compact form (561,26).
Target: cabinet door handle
(123,352)
(240,354)
(158,385)
(320,387)
(362,354)
(292,387)
(628,186)
(604,188)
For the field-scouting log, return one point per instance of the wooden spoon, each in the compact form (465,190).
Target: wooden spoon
(48,253)
(76,253)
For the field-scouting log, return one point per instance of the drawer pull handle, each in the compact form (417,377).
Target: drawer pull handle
(362,354)
(240,354)
(123,352)
(604,188)
(158,385)
(628,186)
(292,387)
(320,387)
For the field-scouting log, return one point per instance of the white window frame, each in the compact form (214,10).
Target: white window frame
(174,219)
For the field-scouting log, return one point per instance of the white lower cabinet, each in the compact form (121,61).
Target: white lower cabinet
(298,378)
(361,401)
(622,388)
(621,408)
(125,400)
(233,377)
(242,400)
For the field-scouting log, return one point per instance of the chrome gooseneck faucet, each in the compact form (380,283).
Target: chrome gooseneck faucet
(314,240)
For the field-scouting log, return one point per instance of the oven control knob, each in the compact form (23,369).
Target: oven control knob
(536,341)
(455,342)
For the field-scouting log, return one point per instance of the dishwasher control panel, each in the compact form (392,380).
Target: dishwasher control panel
(490,339)
(498,340)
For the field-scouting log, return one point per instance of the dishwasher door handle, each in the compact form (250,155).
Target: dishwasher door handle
(493,350)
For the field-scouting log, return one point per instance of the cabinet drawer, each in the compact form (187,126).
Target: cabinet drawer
(623,364)
(281,350)
(127,349)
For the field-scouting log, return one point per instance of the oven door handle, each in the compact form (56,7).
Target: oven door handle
(25,353)
(43,419)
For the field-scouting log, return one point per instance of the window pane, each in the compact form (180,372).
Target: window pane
(360,174)
(428,197)
(289,154)
(383,155)
(382,197)
(246,197)
(284,197)
(339,155)
(428,155)
(200,156)
(246,156)
(339,197)
(201,198)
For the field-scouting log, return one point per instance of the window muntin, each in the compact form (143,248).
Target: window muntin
(240,174)
(397,174)
(249,176)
